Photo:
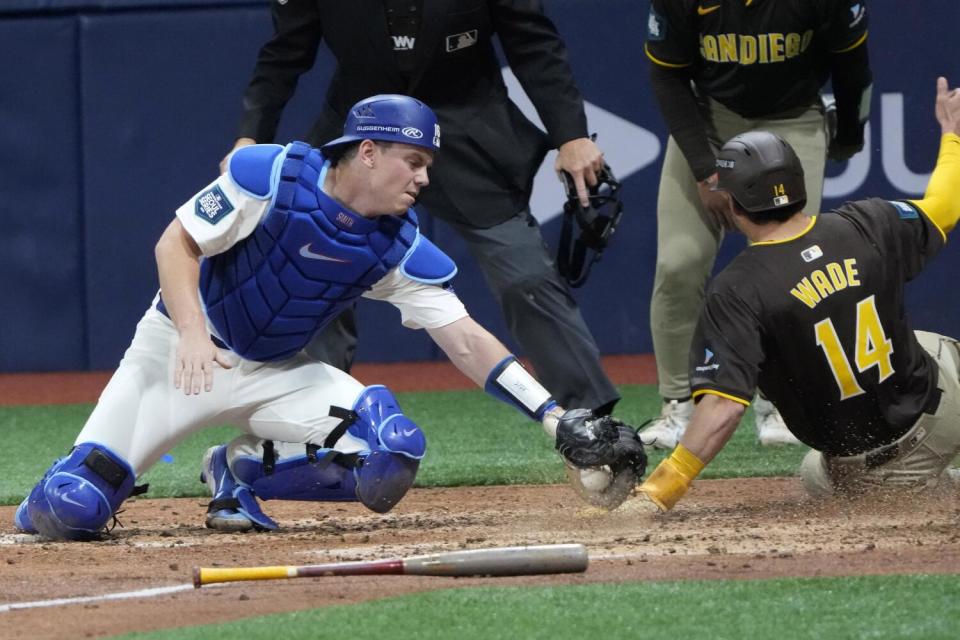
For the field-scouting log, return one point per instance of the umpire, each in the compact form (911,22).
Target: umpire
(720,68)
(442,52)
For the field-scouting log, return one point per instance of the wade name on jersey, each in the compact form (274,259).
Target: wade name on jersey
(812,289)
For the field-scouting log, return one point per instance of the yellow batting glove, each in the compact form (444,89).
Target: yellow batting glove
(672,477)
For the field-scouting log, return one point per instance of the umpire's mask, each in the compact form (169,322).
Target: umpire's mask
(595,223)
(761,172)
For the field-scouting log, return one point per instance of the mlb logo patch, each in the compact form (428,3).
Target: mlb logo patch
(212,205)
(811,253)
(459,41)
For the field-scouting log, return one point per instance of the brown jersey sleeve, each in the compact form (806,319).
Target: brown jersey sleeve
(726,352)
(671,38)
(845,23)
(901,229)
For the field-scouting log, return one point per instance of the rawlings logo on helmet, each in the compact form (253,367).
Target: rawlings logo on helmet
(412,132)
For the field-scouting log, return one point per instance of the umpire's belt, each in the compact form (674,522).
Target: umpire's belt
(902,445)
(162,308)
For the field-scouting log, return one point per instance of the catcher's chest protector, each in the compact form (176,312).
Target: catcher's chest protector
(308,259)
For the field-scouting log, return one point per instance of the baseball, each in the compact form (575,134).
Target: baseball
(595,480)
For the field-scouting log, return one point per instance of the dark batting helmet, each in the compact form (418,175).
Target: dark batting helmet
(389,118)
(761,172)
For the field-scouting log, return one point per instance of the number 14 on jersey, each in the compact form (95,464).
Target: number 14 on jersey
(871,349)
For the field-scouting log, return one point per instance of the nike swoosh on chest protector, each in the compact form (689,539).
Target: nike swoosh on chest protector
(307,253)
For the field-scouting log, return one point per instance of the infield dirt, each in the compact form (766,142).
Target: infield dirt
(724,529)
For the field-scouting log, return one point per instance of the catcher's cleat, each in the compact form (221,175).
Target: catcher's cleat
(217,476)
(772,431)
(665,431)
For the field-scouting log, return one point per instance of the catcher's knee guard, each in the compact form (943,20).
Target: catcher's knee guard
(378,477)
(397,446)
(79,494)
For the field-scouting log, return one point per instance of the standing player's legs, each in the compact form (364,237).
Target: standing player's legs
(540,311)
(919,458)
(687,243)
(318,435)
(139,417)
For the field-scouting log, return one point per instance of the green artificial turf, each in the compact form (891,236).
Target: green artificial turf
(471,440)
(921,607)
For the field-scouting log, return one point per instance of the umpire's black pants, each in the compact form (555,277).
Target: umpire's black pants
(540,312)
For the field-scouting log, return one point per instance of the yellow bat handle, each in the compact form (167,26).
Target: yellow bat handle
(205,575)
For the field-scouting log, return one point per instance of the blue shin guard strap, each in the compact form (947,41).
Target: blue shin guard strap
(296,478)
(243,502)
(248,506)
(347,418)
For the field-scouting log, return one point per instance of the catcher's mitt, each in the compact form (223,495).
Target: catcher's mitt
(605,457)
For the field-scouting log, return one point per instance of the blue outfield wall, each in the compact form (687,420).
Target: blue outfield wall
(113,112)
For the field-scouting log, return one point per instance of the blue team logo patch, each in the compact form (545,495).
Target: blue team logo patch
(213,205)
(906,211)
(656,26)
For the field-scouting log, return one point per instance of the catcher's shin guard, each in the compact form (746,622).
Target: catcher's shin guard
(378,476)
(388,471)
(78,495)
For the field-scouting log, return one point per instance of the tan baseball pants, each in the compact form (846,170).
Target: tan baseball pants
(919,458)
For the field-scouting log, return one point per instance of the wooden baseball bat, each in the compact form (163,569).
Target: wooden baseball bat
(498,561)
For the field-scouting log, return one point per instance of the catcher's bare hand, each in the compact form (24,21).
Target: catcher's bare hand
(196,357)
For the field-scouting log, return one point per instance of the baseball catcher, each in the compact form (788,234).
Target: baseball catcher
(605,458)
(251,268)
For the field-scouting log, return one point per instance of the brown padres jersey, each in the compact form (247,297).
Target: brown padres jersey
(818,323)
(756,57)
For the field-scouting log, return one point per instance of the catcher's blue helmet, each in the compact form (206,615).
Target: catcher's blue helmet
(390,118)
